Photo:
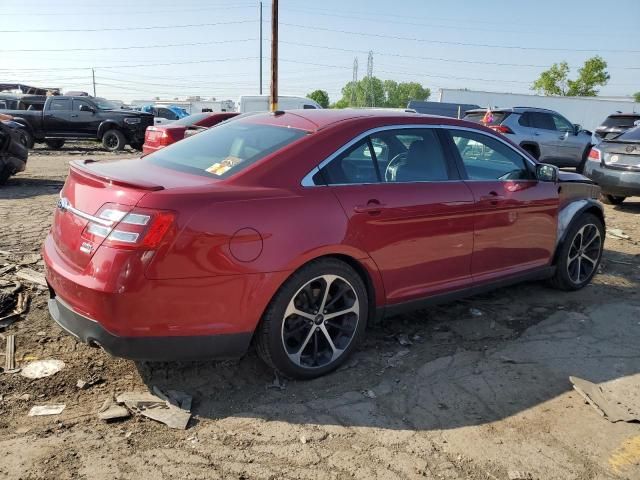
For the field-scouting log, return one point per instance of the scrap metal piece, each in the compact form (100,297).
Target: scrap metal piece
(614,411)
(40,410)
(10,352)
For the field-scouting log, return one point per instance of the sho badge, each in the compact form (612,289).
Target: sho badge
(64,203)
(86,247)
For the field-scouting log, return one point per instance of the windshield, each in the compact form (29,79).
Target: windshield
(225,150)
(104,104)
(632,135)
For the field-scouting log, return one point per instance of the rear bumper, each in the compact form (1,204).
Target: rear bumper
(623,183)
(216,347)
(146,149)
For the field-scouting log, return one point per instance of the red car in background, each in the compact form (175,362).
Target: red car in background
(295,229)
(157,137)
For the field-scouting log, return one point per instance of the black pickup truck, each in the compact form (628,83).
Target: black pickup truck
(54,119)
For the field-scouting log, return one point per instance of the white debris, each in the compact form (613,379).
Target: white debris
(42,368)
(475,312)
(40,410)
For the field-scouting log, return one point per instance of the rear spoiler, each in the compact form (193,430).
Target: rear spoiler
(92,169)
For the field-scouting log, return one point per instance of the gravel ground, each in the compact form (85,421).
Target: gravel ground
(482,391)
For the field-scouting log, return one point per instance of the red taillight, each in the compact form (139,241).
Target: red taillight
(594,154)
(500,128)
(120,226)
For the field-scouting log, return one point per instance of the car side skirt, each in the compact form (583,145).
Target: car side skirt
(541,273)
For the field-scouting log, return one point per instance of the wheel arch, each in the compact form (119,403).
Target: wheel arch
(105,126)
(572,212)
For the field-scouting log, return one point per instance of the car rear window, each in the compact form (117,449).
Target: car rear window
(492,118)
(225,150)
(632,135)
(620,121)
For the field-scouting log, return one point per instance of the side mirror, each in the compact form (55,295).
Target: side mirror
(577,128)
(546,173)
(86,108)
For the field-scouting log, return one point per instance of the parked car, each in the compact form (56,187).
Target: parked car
(614,164)
(260,103)
(158,137)
(545,134)
(13,154)
(55,119)
(164,115)
(453,110)
(295,229)
(615,124)
(18,128)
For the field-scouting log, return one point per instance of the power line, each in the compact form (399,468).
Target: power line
(30,13)
(133,47)
(120,29)
(464,44)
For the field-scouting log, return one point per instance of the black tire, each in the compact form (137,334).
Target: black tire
(573,253)
(55,143)
(307,337)
(5,173)
(114,140)
(26,139)
(583,161)
(136,146)
(611,199)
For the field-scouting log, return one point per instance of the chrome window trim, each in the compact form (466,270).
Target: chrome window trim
(307,180)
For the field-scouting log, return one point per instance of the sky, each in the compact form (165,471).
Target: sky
(166,48)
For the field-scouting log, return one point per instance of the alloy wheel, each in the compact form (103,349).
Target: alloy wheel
(112,141)
(320,321)
(584,253)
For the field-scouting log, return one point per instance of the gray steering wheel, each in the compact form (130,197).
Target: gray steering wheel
(392,167)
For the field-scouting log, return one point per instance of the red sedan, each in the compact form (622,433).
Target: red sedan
(296,229)
(157,137)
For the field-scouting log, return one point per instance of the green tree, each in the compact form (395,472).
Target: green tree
(636,97)
(373,92)
(555,81)
(321,97)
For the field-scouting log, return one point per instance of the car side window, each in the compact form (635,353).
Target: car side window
(541,120)
(562,124)
(78,103)
(412,156)
(353,166)
(524,120)
(61,104)
(166,113)
(485,158)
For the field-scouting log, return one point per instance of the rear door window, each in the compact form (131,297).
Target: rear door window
(541,120)
(60,104)
(225,150)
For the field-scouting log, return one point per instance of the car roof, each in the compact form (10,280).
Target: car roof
(313,120)
(619,114)
(513,110)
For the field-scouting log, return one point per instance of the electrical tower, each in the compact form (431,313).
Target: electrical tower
(371,99)
(354,82)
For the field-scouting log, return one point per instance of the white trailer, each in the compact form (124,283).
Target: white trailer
(260,103)
(587,111)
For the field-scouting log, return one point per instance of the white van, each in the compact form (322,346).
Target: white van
(260,103)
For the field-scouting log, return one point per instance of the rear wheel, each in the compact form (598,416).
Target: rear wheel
(314,321)
(611,199)
(55,143)
(26,139)
(114,140)
(580,253)
(5,173)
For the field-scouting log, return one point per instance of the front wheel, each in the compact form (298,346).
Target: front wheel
(55,143)
(314,321)
(114,140)
(580,253)
(611,199)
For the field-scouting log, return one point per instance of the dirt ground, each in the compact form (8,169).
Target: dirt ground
(482,391)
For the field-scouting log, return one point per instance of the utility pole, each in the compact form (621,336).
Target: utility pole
(93,75)
(355,83)
(273,103)
(372,101)
(260,40)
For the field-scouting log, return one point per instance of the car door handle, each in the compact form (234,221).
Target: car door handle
(74,116)
(372,207)
(493,198)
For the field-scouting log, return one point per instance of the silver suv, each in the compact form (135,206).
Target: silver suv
(545,134)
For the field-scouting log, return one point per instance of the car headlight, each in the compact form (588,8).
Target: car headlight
(132,120)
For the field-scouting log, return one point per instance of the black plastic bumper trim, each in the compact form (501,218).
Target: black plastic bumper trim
(176,348)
